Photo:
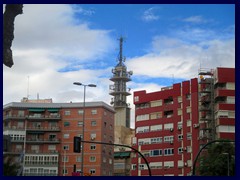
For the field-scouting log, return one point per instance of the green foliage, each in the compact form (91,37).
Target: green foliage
(216,161)
(10,168)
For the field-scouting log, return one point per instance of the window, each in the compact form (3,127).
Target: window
(80,123)
(52,137)
(136,98)
(20,124)
(80,111)
(169,151)
(156,152)
(110,161)
(78,159)
(134,166)
(156,127)
(156,103)
(64,158)
(93,147)
(65,136)
(92,171)
(142,166)
(155,165)
(142,117)
(51,147)
(67,113)
(189,136)
(93,123)
(93,136)
(92,159)
(65,171)
(66,124)
(156,140)
(94,111)
(180,150)
(142,129)
(168,138)
(156,115)
(168,126)
(20,113)
(35,148)
(189,149)
(66,147)
(180,137)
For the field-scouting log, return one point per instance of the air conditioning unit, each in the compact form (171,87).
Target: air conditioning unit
(171,129)
(185,164)
(196,125)
(92,138)
(171,142)
(200,137)
(185,148)
(179,128)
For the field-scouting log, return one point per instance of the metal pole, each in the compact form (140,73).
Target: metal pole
(83,127)
(64,164)
(228,165)
(24,146)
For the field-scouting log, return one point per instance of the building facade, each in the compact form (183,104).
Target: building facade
(166,129)
(171,125)
(42,134)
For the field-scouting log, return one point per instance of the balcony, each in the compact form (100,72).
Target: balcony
(37,129)
(43,141)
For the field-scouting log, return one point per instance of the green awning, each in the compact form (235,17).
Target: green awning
(36,110)
(53,110)
(122,154)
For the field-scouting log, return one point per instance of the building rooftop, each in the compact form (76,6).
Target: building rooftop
(57,105)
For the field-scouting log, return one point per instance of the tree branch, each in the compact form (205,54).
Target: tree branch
(11,11)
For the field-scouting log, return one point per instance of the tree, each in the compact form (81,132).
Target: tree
(218,159)
(11,11)
(10,167)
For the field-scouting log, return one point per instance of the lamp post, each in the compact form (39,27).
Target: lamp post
(83,124)
(228,163)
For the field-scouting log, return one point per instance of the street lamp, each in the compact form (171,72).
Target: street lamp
(83,124)
(228,163)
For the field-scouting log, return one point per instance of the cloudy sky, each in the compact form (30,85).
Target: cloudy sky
(56,45)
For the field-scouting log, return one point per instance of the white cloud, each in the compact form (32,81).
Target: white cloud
(149,15)
(53,27)
(48,38)
(171,56)
(196,19)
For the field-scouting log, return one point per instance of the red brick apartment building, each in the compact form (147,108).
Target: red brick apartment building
(49,129)
(172,124)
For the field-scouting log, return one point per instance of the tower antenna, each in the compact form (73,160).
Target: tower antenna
(28,88)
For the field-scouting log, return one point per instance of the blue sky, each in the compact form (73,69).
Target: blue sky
(164,44)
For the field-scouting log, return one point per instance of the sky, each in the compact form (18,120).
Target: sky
(58,44)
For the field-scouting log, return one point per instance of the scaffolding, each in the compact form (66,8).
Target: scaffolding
(206,106)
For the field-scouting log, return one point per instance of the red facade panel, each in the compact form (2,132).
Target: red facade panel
(226,75)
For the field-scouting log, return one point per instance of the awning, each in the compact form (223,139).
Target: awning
(121,154)
(53,110)
(36,110)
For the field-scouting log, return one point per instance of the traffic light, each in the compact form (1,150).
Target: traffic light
(77,144)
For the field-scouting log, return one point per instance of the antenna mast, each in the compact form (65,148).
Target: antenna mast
(28,88)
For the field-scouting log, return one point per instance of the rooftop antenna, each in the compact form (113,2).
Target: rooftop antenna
(120,57)
(28,88)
